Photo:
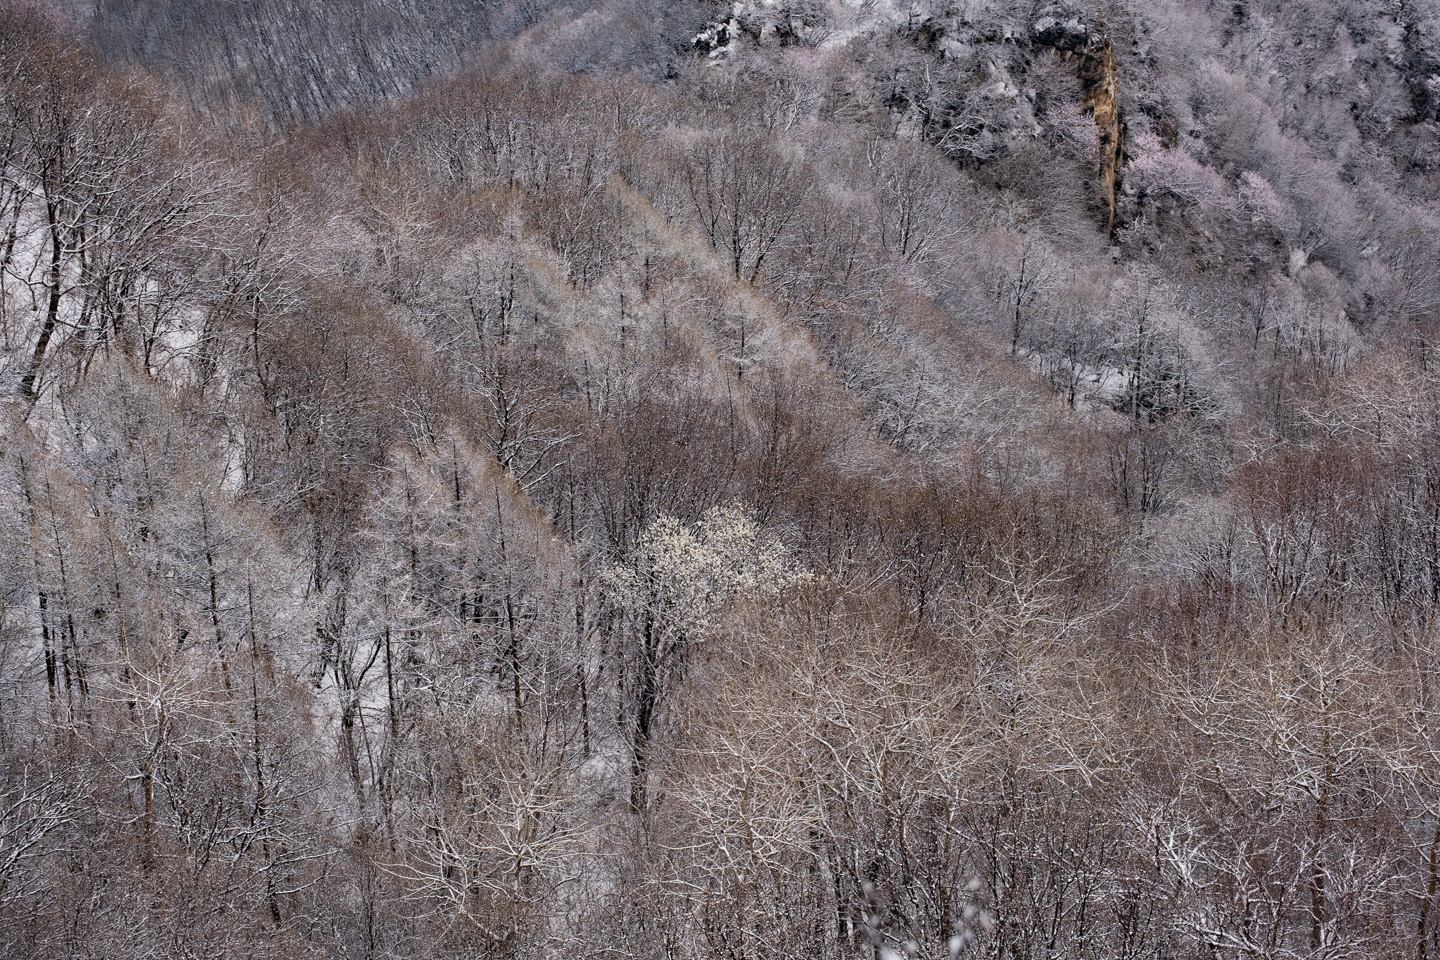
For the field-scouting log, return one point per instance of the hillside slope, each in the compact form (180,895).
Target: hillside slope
(819,479)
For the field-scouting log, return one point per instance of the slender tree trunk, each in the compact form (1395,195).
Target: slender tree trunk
(262,802)
(1432,887)
(646,702)
(214,597)
(52,308)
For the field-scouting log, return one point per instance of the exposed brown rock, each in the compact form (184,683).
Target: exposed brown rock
(1097,70)
(1066,32)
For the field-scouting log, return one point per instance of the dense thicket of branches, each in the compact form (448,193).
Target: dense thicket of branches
(622,497)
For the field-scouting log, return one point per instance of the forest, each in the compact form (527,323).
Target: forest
(700,480)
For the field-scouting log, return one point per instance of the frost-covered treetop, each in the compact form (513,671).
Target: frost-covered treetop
(685,573)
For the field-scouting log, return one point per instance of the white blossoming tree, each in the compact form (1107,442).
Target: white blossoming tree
(673,587)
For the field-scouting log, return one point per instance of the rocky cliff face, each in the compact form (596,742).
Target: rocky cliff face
(1094,56)
(1097,70)
(973,88)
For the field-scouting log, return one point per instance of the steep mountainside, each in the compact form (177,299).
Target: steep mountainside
(824,479)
